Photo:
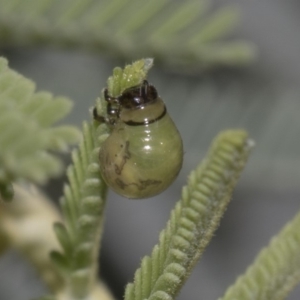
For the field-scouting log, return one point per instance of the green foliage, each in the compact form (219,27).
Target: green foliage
(26,130)
(26,133)
(193,220)
(83,204)
(275,271)
(84,198)
(132,75)
(179,34)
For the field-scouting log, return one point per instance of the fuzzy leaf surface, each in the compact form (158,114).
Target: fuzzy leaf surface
(275,271)
(182,35)
(193,220)
(84,197)
(27,131)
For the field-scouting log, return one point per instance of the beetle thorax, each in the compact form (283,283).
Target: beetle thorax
(143,114)
(138,105)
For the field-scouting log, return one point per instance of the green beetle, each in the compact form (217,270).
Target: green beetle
(143,153)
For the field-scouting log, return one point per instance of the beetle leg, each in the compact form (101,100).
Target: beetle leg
(106,96)
(98,118)
(112,112)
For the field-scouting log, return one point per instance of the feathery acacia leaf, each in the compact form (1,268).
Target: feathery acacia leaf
(84,197)
(25,132)
(193,220)
(82,205)
(177,34)
(130,76)
(275,271)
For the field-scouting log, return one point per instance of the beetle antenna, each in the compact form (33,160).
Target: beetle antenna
(144,89)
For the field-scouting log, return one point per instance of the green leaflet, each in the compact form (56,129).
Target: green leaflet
(26,129)
(83,206)
(122,79)
(180,34)
(193,220)
(275,271)
(84,197)
(130,76)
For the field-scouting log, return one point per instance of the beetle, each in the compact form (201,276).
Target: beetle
(143,154)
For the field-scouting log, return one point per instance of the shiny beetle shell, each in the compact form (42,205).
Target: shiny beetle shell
(143,153)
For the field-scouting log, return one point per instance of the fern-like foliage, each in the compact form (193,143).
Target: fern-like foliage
(82,204)
(193,220)
(84,197)
(180,34)
(131,75)
(27,132)
(275,271)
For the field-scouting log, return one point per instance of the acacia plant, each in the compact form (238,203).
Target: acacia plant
(65,248)
(64,244)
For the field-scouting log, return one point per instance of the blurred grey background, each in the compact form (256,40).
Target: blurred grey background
(264,99)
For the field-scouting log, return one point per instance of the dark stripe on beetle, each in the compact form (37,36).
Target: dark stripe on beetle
(146,122)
